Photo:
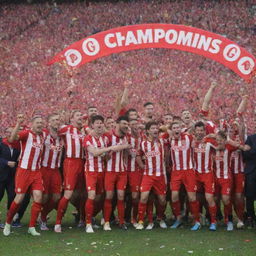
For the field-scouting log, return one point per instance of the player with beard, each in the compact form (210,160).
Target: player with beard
(154,176)
(53,147)
(109,124)
(133,169)
(222,168)
(28,175)
(202,154)
(148,112)
(116,174)
(73,163)
(182,173)
(94,166)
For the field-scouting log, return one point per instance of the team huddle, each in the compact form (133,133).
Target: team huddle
(194,164)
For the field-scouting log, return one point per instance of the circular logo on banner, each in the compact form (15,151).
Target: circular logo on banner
(246,65)
(73,57)
(91,46)
(231,52)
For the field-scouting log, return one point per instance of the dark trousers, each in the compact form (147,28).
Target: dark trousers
(250,193)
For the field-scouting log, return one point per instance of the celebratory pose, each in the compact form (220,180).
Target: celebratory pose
(116,174)
(53,147)
(28,175)
(73,163)
(154,177)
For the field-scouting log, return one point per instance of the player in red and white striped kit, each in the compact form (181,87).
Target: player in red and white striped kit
(116,173)
(202,153)
(222,168)
(53,147)
(154,176)
(95,149)
(73,163)
(28,175)
(183,173)
(134,170)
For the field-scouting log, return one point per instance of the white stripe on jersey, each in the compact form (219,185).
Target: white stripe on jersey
(26,155)
(69,143)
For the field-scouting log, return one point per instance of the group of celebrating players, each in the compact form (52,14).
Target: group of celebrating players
(195,163)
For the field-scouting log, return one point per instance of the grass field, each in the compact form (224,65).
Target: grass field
(75,241)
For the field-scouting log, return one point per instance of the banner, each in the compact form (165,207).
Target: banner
(179,37)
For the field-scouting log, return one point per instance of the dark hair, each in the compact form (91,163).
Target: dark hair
(177,118)
(222,134)
(173,123)
(108,117)
(168,114)
(149,124)
(91,107)
(97,117)
(122,118)
(185,109)
(133,119)
(130,110)
(199,124)
(147,103)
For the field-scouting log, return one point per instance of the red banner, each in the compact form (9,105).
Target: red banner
(169,36)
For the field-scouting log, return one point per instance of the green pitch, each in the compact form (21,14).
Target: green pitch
(74,241)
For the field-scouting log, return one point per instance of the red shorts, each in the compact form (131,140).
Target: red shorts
(238,183)
(52,180)
(26,179)
(223,186)
(73,174)
(205,182)
(158,184)
(116,180)
(187,178)
(95,181)
(134,180)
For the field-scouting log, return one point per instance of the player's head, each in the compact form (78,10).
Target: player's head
(97,122)
(152,129)
(37,124)
(149,109)
(7,132)
(134,125)
(109,123)
(167,118)
(221,139)
(92,110)
(175,128)
(54,120)
(200,131)
(132,113)
(122,125)
(76,118)
(186,116)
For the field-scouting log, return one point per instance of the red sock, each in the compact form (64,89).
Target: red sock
(176,208)
(107,209)
(63,204)
(240,210)
(135,206)
(212,212)
(141,211)
(150,208)
(194,209)
(120,209)
(35,210)
(227,211)
(12,211)
(161,210)
(47,208)
(89,208)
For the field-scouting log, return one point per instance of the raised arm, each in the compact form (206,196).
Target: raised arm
(122,100)
(243,105)
(14,134)
(208,97)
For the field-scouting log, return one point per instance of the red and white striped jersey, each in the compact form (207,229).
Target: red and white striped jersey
(181,152)
(133,152)
(31,150)
(202,155)
(73,139)
(92,163)
(210,126)
(222,162)
(116,161)
(53,148)
(237,164)
(154,157)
